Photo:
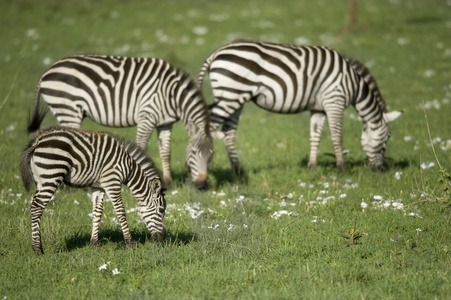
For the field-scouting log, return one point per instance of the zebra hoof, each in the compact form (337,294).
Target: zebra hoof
(94,243)
(131,244)
(38,250)
(312,166)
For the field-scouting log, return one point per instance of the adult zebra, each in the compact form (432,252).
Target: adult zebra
(83,158)
(291,79)
(121,92)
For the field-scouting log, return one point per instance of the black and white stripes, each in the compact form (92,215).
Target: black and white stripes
(290,79)
(121,92)
(83,158)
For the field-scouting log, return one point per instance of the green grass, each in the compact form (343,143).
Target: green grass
(281,231)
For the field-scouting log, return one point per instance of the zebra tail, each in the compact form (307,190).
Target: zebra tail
(38,114)
(203,70)
(24,165)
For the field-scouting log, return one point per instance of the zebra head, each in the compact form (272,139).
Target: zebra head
(152,213)
(375,137)
(198,154)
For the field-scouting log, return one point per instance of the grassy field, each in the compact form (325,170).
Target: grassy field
(281,231)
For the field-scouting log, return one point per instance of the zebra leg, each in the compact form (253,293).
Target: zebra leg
(40,200)
(144,132)
(317,119)
(229,130)
(164,145)
(97,209)
(335,118)
(114,193)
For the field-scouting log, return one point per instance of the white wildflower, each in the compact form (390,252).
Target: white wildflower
(302,41)
(419,230)
(429,73)
(403,41)
(342,195)
(200,30)
(76,202)
(377,197)
(397,205)
(230,227)
(115,271)
(240,199)
(104,266)
(398,175)
(363,205)
(427,165)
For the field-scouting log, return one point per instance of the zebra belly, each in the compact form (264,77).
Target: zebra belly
(287,106)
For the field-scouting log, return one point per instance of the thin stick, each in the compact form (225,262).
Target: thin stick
(12,85)
(430,139)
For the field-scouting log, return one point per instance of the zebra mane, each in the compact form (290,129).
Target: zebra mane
(141,158)
(365,73)
(197,96)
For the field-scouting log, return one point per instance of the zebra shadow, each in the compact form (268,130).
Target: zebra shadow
(140,237)
(327,162)
(226,176)
(218,177)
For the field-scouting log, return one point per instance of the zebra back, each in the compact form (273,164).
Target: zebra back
(145,162)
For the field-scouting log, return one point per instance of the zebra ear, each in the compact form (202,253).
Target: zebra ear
(155,186)
(391,116)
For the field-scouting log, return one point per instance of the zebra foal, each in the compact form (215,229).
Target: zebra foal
(83,158)
(122,92)
(291,79)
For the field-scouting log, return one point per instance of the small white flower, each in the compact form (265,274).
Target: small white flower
(302,41)
(221,194)
(115,271)
(427,165)
(76,202)
(103,267)
(230,227)
(403,41)
(398,175)
(342,195)
(429,73)
(174,192)
(244,225)
(240,199)
(377,197)
(363,205)
(419,230)
(200,30)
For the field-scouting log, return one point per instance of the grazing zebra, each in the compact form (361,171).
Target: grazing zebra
(121,92)
(83,158)
(290,79)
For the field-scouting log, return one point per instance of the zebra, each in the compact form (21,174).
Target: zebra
(290,79)
(83,158)
(124,91)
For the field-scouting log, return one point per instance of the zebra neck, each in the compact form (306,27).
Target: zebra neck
(138,184)
(367,105)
